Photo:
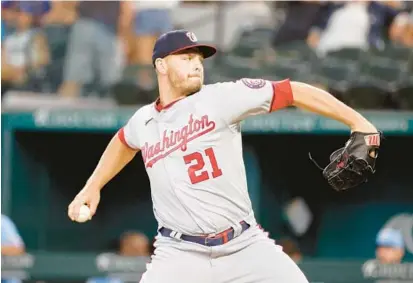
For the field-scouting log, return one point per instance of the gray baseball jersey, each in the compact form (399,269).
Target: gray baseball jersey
(192,151)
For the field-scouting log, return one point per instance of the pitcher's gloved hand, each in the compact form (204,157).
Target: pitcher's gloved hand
(354,163)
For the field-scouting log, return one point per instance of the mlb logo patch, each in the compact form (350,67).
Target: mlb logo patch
(372,140)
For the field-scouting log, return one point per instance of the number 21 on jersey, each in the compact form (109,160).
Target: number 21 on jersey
(196,170)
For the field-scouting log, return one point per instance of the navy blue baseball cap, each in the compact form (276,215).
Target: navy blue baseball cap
(179,40)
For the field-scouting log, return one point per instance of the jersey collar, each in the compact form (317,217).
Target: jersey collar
(159,107)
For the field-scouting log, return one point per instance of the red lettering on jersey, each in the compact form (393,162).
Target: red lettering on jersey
(174,140)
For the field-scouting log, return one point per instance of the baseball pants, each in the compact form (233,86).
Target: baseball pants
(250,258)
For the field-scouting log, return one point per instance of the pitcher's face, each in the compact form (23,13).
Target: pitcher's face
(185,71)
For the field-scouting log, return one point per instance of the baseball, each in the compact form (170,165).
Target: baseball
(84,214)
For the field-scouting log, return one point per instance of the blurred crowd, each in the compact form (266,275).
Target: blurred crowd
(68,46)
(86,48)
(361,51)
(328,26)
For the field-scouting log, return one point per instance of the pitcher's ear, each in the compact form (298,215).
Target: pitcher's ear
(160,66)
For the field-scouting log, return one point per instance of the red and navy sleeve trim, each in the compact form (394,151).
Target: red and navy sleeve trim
(282,95)
(121,136)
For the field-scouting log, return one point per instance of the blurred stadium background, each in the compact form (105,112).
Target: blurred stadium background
(74,72)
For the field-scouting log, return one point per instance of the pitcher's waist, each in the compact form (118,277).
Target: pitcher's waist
(185,229)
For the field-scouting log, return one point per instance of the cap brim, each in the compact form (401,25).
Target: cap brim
(206,50)
(389,243)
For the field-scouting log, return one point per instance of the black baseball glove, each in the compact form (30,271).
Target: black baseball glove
(354,163)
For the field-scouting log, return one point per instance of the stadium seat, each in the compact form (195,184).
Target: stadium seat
(404,93)
(392,51)
(293,55)
(377,81)
(386,75)
(127,90)
(256,37)
(250,41)
(231,67)
(336,70)
(398,60)
(284,68)
(365,95)
(405,87)
(336,74)
(348,55)
(367,92)
(243,50)
(209,69)
(298,50)
(405,97)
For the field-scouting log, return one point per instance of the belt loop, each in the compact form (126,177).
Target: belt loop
(250,219)
(237,229)
(175,235)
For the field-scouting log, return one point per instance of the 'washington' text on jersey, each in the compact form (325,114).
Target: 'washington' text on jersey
(173,140)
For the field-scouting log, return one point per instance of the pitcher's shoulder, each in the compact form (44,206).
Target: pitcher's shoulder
(217,85)
(209,90)
(142,113)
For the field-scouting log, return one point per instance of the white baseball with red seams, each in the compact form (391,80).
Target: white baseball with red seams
(84,214)
(192,151)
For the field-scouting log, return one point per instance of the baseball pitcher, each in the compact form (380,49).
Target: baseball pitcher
(190,141)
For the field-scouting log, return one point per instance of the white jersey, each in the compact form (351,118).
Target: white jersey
(192,151)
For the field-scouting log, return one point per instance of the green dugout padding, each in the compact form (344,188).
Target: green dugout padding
(77,267)
(351,229)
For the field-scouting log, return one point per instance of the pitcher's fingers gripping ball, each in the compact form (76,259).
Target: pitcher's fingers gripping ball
(84,214)
(84,204)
